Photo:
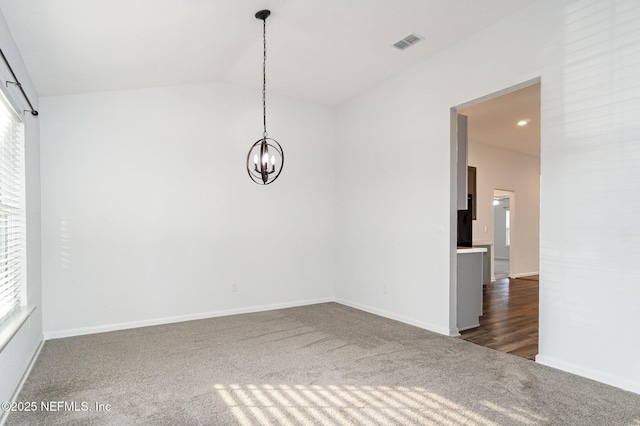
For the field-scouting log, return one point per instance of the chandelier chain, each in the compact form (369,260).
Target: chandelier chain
(264,77)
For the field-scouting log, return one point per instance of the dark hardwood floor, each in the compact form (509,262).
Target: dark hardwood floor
(510,319)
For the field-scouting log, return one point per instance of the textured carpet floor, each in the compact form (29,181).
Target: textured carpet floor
(323,364)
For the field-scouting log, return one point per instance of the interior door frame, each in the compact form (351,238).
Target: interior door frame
(453,221)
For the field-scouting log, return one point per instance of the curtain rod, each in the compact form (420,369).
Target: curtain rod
(17,84)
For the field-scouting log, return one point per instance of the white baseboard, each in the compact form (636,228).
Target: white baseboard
(524,274)
(58,334)
(470,327)
(589,374)
(406,320)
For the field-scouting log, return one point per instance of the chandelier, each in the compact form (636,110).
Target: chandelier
(265,157)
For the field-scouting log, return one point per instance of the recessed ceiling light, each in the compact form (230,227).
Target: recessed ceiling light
(523,123)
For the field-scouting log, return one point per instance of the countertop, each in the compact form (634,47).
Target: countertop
(462,250)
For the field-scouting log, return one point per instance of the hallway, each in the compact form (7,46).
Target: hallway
(510,320)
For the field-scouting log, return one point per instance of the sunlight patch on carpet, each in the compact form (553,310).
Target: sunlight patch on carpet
(367,405)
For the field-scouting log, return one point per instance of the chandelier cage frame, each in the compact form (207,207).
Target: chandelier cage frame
(261,173)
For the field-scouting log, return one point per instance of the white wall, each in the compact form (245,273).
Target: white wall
(589,296)
(393,172)
(509,170)
(149,215)
(392,209)
(17,355)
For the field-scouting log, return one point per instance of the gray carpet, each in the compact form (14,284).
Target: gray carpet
(321,364)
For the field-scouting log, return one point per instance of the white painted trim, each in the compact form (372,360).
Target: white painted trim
(27,371)
(588,373)
(12,325)
(499,93)
(48,335)
(470,327)
(400,318)
(524,274)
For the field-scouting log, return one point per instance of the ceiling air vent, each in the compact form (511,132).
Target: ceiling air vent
(407,41)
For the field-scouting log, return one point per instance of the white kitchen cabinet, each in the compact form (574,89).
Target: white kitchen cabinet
(469,291)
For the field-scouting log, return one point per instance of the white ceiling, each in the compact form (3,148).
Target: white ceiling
(494,122)
(324,51)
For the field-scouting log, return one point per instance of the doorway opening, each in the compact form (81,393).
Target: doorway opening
(502,146)
(503,203)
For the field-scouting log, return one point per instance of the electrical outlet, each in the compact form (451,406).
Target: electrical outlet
(234,287)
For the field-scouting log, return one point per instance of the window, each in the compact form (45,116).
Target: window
(12,214)
(507,220)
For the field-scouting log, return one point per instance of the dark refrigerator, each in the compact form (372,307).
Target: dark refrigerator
(465,227)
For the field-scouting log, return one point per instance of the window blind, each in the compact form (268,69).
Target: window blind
(12,213)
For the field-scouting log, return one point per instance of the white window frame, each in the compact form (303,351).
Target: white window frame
(13,259)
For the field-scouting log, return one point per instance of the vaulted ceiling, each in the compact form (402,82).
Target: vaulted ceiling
(323,51)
